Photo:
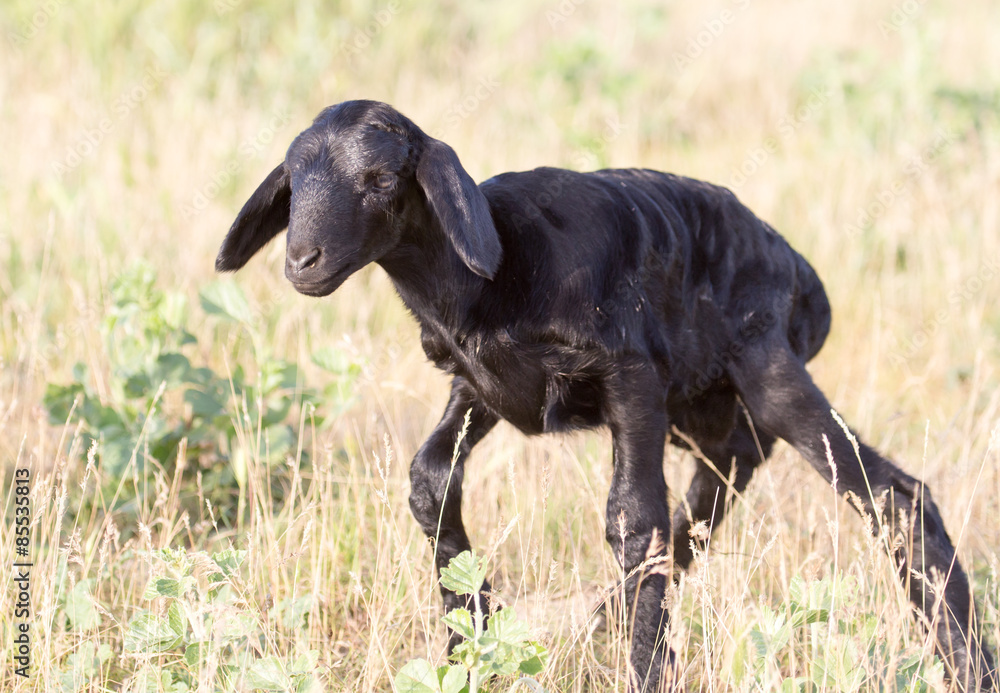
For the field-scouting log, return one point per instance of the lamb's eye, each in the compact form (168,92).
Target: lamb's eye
(383,181)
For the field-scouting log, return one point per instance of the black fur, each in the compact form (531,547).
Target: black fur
(633,299)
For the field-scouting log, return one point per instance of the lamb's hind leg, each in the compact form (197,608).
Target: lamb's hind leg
(708,498)
(784,401)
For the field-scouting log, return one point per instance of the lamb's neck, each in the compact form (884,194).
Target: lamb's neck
(432,281)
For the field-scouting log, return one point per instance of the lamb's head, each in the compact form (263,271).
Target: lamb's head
(349,186)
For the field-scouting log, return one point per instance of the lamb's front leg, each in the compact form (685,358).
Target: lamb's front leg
(638,519)
(436,485)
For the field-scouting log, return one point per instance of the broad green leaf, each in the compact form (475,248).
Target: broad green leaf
(169,587)
(80,607)
(104,653)
(80,372)
(741,657)
(338,398)
(798,593)
(758,642)
(115,450)
(506,645)
(804,618)
(227,300)
(821,674)
(497,660)
(268,674)
(280,440)
(277,373)
(235,624)
(151,679)
(229,561)
(177,558)
(58,400)
(150,633)
(460,621)
(505,627)
(305,662)
(138,385)
(779,641)
(335,361)
(203,377)
(534,664)
(206,404)
(175,617)
(195,654)
(817,594)
(172,368)
(174,309)
(417,676)
(468,653)
(795,685)
(100,417)
(87,661)
(276,408)
(309,684)
(464,574)
(455,679)
(294,612)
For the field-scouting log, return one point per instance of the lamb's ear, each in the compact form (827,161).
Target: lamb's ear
(460,207)
(263,217)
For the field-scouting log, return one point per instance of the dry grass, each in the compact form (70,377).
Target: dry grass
(830,109)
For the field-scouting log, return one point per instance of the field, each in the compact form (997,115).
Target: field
(217,467)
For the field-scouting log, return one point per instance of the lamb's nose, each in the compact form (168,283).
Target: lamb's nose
(304,262)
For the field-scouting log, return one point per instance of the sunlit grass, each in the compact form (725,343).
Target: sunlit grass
(133,133)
